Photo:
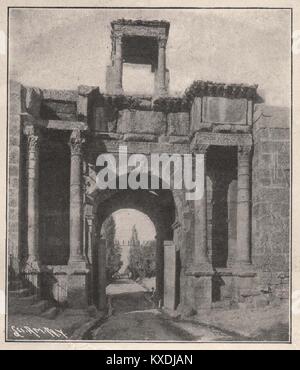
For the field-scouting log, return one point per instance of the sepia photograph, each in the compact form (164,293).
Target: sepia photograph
(149,175)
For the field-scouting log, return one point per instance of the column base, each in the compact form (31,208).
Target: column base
(198,270)
(202,292)
(32,265)
(78,264)
(244,281)
(79,289)
(243,269)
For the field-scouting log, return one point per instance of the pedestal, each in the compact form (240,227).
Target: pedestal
(79,288)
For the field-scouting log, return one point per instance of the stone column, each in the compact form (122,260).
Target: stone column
(89,247)
(243,255)
(118,64)
(201,270)
(76,199)
(161,66)
(159,266)
(32,263)
(32,268)
(101,262)
(201,260)
(79,284)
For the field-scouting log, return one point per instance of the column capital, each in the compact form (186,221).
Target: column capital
(33,137)
(162,41)
(118,36)
(200,148)
(90,220)
(33,143)
(76,141)
(244,151)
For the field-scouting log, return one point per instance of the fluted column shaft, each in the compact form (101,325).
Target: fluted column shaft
(243,256)
(33,139)
(118,64)
(76,200)
(161,66)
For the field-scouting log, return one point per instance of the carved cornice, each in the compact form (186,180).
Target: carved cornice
(211,138)
(208,88)
(76,142)
(140,22)
(170,105)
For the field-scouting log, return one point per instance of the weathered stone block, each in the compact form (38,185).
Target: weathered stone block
(33,101)
(203,292)
(105,119)
(281,134)
(14,170)
(59,290)
(16,101)
(78,289)
(174,139)
(261,301)
(141,122)
(170,275)
(140,137)
(178,124)
(278,262)
(196,114)
(224,110)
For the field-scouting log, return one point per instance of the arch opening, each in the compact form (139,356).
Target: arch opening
(157,209)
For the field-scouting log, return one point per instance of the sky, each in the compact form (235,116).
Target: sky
(125,219)
(145,228)
(64,48)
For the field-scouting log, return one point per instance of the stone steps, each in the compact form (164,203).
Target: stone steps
(221,305)
(31,309)
(15,285)
(19,293)
(22,301)
(29,305)
(50,313)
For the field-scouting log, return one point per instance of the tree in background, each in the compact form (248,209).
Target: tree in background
(149,258)
(113,249)
(134,254)
(141,257)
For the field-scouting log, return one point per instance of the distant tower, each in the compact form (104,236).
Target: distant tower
(138,42)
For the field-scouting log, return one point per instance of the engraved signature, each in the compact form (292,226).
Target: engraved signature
(25,331)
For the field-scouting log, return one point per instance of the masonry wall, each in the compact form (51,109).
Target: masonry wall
(144,125)
(14,172)
(270,199)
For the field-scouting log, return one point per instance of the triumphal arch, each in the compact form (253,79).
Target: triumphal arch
(227,248)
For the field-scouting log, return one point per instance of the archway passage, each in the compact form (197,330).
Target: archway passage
(158,205)
(130,240)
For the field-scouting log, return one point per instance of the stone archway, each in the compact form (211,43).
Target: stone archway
(158,205)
